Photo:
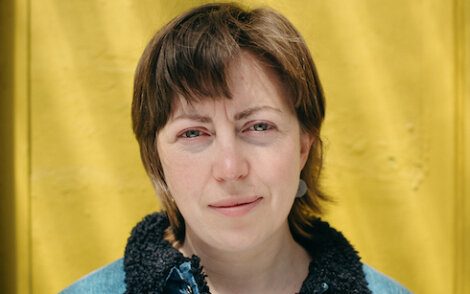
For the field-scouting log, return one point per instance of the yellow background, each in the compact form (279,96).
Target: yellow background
(396,77)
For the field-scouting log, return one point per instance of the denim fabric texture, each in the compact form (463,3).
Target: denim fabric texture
(181,280)
(110,280)
(379,283)
(106,280)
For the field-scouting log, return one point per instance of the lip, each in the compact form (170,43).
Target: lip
(236,207)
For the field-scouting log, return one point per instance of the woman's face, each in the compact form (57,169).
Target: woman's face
(233,165)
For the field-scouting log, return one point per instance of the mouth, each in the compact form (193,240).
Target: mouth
(236,207)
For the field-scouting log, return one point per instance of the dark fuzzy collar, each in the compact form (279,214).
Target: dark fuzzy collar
(335,266)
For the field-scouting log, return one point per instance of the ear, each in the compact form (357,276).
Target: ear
(306,142)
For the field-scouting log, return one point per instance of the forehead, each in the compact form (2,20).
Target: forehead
(252,83)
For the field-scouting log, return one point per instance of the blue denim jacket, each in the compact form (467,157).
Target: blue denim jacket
(110,279)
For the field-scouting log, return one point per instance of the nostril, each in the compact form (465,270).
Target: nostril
(230,165)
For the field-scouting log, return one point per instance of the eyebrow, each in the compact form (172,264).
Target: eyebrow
(194,116)
(239,116)
(246,113)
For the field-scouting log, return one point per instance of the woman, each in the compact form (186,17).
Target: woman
(227,111)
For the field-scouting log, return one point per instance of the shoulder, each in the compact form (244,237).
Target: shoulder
(379,283)
(108,279)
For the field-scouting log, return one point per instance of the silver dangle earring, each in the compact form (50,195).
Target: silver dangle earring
(302,189)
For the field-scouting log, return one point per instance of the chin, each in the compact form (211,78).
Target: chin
(224,238)
(237,242)
(237,235)
(240,238)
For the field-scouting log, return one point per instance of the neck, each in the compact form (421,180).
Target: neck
(279,265)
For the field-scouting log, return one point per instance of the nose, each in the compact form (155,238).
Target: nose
(230,163)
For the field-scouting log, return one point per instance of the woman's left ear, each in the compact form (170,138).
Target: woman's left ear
(306,142)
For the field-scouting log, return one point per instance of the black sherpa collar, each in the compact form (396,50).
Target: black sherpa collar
(335,266)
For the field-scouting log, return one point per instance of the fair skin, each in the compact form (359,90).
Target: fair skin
(233,168)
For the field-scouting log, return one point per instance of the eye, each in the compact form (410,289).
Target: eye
(261,126)
(191,134)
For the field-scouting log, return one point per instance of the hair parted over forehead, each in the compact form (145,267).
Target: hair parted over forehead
(190,58)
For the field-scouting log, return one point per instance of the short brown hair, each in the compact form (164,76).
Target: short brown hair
(190,57)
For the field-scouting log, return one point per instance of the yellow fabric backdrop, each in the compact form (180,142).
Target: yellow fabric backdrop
(395,74)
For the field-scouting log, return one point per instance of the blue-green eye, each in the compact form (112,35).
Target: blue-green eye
(191,134)
(260,127)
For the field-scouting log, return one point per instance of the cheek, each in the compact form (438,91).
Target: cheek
(280,168)
(285,155)
(183,173)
